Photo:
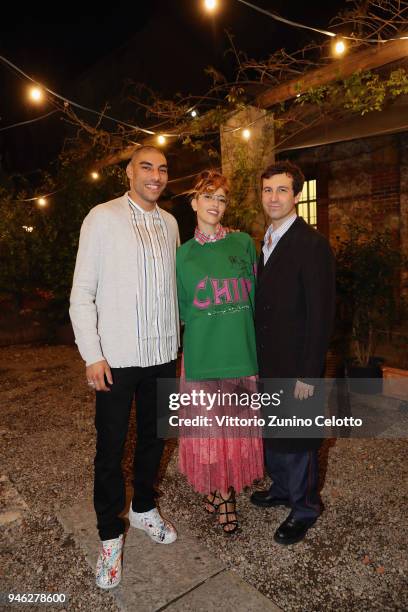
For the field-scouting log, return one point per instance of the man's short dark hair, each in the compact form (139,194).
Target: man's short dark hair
(286,167)
(144,149)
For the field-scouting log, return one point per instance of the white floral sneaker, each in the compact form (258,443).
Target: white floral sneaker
(151,522)
(109,564)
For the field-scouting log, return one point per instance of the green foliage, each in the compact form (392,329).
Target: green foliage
(368,272)
(361,93)
(244,196)
(364,92)
(19,249)
(398,82)
(44,259)
(243,199)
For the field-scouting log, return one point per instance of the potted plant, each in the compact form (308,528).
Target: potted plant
(395,370)
(368,278)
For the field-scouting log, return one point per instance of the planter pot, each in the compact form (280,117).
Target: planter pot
(376,361)
(364,379)
(395,383)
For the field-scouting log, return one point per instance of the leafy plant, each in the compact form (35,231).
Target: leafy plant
(38,245)
(368,274)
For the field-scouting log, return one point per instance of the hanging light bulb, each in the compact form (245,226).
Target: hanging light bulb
(95,175)
(210,5)
(42,202)
(36,94)
(339,47)
(161,140)
(194,113)
(246,134)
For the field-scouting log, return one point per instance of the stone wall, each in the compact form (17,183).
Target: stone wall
(404,204)
(364,180)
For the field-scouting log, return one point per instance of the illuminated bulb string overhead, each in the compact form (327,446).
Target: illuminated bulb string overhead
(37,92)
(67,101)
(296,24)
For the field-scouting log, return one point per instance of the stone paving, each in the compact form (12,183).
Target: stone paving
(354,559)
(181,576)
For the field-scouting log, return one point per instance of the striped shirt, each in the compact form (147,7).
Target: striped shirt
(272,236)
(156,318)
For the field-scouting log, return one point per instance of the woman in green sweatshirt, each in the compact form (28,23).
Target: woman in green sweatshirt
(216,273)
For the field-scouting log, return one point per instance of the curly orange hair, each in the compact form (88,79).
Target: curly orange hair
(210,180)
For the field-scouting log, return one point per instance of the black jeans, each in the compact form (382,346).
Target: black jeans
(111,422)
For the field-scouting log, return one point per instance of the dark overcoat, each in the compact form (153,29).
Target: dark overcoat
(294,312)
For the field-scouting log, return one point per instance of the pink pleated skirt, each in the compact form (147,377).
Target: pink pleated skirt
(221,456)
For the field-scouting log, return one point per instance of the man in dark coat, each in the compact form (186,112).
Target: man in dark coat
(295,303)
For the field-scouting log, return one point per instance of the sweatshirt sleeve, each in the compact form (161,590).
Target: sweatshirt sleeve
(82,310)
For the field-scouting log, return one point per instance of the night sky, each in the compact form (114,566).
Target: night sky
(58,44)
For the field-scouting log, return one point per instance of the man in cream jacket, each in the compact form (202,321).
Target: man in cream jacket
(125,319)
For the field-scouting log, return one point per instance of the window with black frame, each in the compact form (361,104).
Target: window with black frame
(307,207)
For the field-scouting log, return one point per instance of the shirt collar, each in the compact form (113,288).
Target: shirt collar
(202,237)
(282,229)
(139,208)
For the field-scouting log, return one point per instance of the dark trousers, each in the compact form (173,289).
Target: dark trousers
(295,478)
(111,422)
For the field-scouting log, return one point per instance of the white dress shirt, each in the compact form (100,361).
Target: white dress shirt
(272,236)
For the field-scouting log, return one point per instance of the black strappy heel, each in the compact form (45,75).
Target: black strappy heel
(211,502)
(224,502)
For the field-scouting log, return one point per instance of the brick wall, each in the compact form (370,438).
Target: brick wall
(365,179)
(404,206)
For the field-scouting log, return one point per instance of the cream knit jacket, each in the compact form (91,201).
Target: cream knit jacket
(104,292)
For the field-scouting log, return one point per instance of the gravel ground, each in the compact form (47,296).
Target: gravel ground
(354,559)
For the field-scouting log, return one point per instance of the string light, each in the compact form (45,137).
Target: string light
(28,228)
(36,94)
(9,127)
(339,47)
(246,134)
(210,5)
(42,202)
(68,102)
(296,24)
(95,175)
(37,91)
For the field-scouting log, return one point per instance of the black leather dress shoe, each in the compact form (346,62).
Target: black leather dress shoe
(292,531)
(266,500)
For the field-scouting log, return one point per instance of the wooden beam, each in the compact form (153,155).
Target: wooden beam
(374,57)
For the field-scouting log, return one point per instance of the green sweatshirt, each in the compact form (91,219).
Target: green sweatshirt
(216,290)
